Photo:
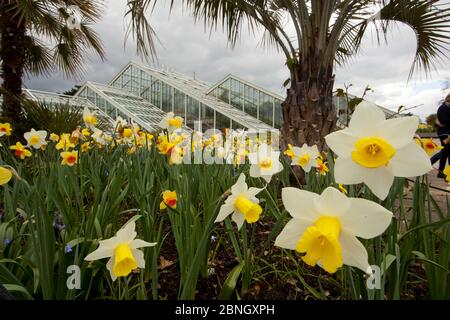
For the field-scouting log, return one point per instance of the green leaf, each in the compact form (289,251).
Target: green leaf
(230,283)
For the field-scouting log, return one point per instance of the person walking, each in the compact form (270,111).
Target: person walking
(443,131)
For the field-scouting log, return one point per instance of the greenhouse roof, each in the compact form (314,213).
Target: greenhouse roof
(136,108)
(198,90)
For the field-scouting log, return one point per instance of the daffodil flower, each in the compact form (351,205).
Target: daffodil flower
(305,157)
(324,227)
(374,150)
(428,145)
(20,151)
(170,122)
(54,137)
(447,173)
(169,200)
(5,129)
(289,151)
(36,139)
(5,175)
(123,252)
(89,118)
(242,204)
(322,168)
(265,163)
(69,158)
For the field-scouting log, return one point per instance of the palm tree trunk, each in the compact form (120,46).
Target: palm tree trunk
(12,56)
(308,111)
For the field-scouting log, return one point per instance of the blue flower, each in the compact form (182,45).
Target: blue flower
(6,242)
(68,248)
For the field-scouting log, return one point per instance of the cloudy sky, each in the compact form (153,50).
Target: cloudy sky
(187,48)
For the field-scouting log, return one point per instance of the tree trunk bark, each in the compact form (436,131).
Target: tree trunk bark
(308,111)
(12,55)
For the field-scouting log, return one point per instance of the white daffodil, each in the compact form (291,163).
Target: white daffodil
(100,137)
(374,150)
(324,227)
(242,203)
(36,139)
(122,249)
(89,118)
(120,123)
(170,122)
(265,163)
(305,157)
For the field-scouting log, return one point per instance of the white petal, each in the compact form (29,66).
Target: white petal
(300,203)
(127,233)
(400,131)
(225,210)
(366,119)
(139,256)
(341,142)
(137,243)
(240,186)
(109,266)
(268,178)
(252,192)
(379,180)
(346,171)
(238,218)
(332,202)
(100,253)
(365,219)
(254,171)
(291,233)
(353,252)
(410,161)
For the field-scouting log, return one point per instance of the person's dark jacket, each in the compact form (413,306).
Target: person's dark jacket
(443,116)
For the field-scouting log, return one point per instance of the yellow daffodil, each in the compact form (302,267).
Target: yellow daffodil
(428,145)
(89,118)
(289,152)
(324,227)
(305,157)
(265,163)
(171,123)
(20,151)
(169,200)
(447,173)
(85,132)
(5,129)
(64,142)
(122,249)
(321,167)
(54,137)
(374,150)
(5,175)
(69,158)
(164,146)
(342,189)
(85,147)
(36,139)
(242,204)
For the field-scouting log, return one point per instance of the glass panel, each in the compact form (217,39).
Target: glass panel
(278,114)
(156,92)
(223,92)
(251,101)
(192,111)
(266,109)
(236,96)
(222,121)
(166,98)
(207,117)
(180,101)
(236,126)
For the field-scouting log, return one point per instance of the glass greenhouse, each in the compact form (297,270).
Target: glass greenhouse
(145,95)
